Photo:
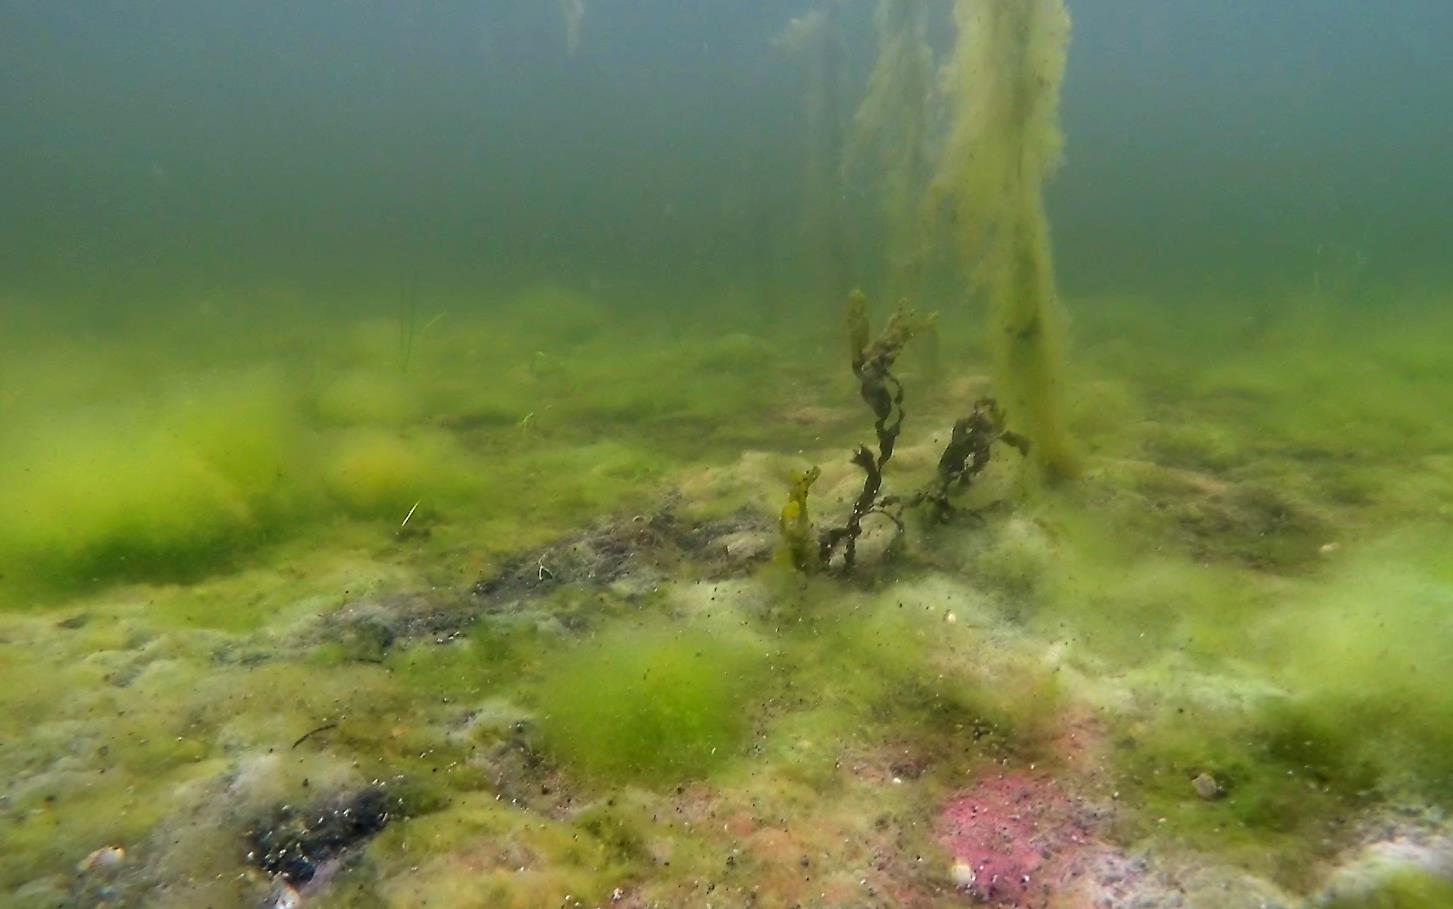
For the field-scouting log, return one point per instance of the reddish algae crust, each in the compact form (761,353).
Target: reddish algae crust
(1019,834)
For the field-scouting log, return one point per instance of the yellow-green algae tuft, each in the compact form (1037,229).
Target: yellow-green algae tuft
(651,705)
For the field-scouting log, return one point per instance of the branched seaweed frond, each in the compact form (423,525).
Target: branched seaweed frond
(965,457)
(967,454)
(872,363)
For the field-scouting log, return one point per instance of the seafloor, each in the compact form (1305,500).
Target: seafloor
(482,610)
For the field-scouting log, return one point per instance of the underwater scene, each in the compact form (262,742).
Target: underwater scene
(829,454)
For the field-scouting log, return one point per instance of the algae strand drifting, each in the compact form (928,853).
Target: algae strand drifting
(1003,145)
(888,146)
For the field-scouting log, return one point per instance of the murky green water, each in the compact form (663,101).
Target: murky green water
(407,415)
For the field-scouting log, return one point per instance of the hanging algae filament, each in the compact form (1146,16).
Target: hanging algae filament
(889,142)
(1004,144)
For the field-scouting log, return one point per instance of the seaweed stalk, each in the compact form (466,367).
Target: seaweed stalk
(873,365)
(796,524)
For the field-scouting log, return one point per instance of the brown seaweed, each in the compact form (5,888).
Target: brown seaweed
(965,457)
(968,452)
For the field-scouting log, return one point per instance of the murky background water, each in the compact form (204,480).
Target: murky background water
(400,405)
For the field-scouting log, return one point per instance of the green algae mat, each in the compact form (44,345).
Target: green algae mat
(520,625)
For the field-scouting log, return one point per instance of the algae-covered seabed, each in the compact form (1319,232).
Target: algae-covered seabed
(1213,671)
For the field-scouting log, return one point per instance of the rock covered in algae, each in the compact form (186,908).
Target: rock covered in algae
(1408,865)
(294,844)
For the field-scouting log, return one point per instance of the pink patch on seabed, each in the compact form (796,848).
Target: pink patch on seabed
(1021,837)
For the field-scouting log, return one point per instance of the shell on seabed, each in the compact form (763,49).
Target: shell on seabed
(963,875)
(107,858)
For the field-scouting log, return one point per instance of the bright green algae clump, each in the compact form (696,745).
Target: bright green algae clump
(123,458)
(654,706)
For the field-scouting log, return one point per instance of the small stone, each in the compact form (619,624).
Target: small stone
(1206,787)
(746,545)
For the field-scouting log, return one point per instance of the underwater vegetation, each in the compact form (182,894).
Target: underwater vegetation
(795,523)
(891,138)
(815,39)
(149,490)
(475,603)
(965,457)
(1003,145)
(656,707)
(158,477)
(576,622)
(961,164)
